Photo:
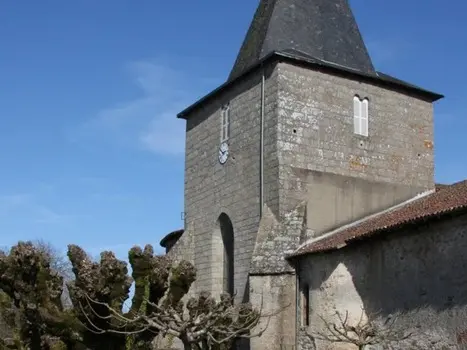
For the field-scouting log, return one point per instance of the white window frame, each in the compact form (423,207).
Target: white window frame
(225,123)
(360,118)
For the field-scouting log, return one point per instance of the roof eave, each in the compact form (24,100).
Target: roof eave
(174,235)
(184,114)
(432,96)
(376,233)
(429,95)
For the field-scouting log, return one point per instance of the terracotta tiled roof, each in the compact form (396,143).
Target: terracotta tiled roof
(446,199)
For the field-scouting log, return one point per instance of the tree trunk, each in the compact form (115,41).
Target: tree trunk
(186,343)
(35,340)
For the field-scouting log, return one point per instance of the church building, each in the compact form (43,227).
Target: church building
(309,187)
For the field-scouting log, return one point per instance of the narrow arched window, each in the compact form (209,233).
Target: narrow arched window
(228,253)
(225,127)
(360,113)
(364,119)
(305,305)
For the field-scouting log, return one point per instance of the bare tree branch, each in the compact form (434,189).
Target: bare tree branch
(365,332)
(206,323)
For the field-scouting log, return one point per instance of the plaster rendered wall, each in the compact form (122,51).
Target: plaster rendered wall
(315,133)
(335,200)
(273,293)
(419,271)
(233,188)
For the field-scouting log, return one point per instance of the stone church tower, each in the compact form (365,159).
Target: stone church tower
(304,136)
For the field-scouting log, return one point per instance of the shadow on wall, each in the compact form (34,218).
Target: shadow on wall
(415,268)
(420,271)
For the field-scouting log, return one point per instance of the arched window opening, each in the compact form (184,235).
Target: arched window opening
(305,305)
(228,253)
(360,111)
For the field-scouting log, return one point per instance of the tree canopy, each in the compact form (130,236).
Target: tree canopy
(33,314)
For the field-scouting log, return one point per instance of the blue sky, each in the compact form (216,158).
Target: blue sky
(90,149)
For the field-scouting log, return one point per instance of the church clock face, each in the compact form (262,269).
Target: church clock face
(223,152)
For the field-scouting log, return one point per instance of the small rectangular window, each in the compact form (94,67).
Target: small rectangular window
(360,108)
(225,129)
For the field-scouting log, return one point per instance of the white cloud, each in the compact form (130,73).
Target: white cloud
(48,216)
(164,135)
(148,122)
(26,206)
(157,80)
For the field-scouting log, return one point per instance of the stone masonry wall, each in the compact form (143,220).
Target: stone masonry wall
(315,133)
(183,249)
(273,293)
(233,188)
(419,271)
(273,279)
(275,240)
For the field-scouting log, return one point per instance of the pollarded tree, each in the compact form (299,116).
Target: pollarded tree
(158,308)
(30,291)
(100,290)
(30,301)
(106,281)
(59,263)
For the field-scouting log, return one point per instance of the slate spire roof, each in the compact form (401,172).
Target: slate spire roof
(320,34)
(321,29)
